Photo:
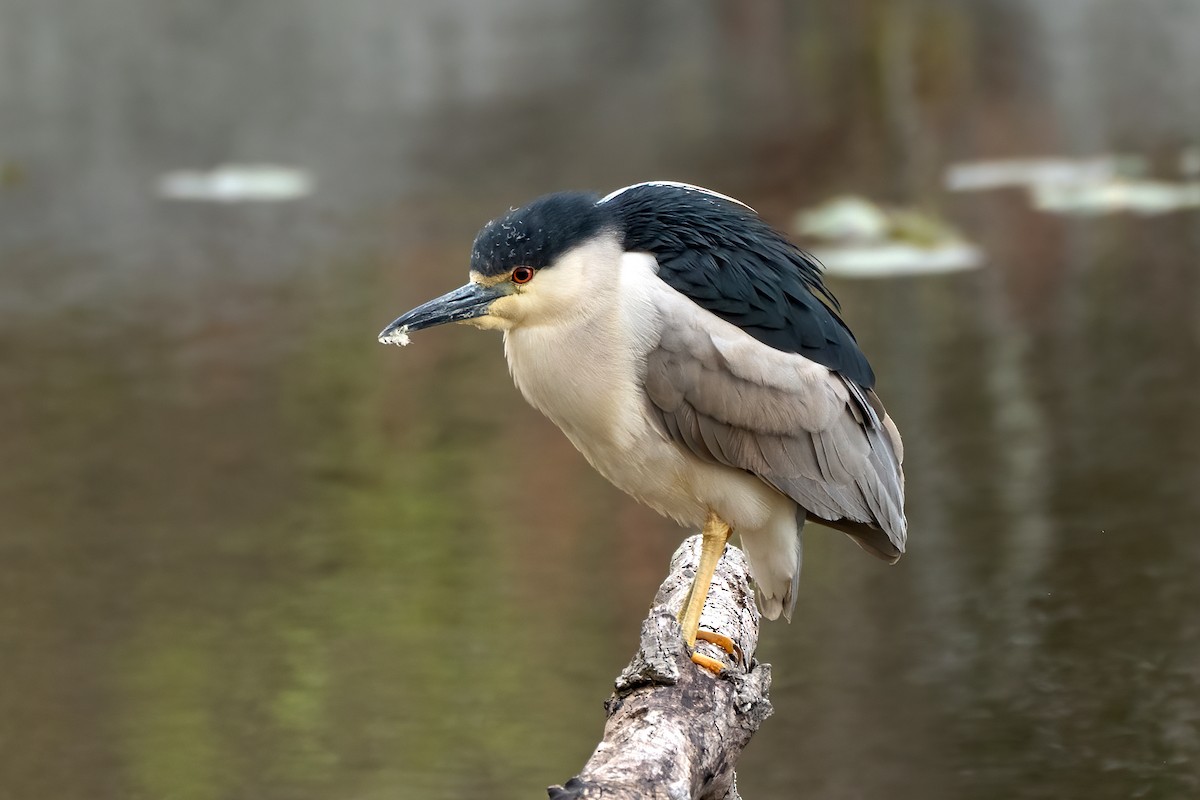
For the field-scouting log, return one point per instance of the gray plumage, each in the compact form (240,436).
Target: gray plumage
(802,432)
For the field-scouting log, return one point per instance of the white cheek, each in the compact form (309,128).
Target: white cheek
(557,284)
(555,293)
(502,315)
(508,307)
(580,283)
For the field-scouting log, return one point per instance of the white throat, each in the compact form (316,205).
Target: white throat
(581,368)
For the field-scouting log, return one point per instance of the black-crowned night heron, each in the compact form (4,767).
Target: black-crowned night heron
(696,359)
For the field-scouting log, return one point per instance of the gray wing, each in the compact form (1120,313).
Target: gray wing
(814,436)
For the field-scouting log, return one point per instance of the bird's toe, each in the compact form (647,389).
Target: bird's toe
(722,641)
(710,664)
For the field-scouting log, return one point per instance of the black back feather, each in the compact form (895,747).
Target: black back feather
(728,261)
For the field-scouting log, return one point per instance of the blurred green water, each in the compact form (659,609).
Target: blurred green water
(247,552)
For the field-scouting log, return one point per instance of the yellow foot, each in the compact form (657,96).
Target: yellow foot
(722,641)
(710,664)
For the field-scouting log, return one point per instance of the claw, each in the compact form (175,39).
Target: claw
(722,641)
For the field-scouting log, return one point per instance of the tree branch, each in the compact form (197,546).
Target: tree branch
(675,730)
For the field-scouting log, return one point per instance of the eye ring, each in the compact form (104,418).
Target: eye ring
(522,275)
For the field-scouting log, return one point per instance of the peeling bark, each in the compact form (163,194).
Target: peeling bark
(675,730)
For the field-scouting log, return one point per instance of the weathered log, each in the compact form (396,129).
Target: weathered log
(675,730)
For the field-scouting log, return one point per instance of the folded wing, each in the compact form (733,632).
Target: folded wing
(811,433)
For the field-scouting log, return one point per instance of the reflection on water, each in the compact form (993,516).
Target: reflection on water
(247,552)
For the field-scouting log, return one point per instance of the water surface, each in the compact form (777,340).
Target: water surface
(247,552)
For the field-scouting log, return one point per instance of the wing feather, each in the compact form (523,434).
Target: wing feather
(803,429)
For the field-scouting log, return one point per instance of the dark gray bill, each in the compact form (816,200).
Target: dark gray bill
(465,302)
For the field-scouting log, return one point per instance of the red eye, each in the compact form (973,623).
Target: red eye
(522,275)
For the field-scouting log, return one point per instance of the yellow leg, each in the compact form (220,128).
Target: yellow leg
(712,545)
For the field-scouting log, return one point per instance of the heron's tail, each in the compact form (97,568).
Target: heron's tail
(776,554)
(868,536)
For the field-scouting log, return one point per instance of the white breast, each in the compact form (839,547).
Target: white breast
(584,375)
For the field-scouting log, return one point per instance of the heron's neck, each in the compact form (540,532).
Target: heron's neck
(566,370)
(584,371)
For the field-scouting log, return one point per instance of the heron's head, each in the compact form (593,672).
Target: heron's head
(536,265)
